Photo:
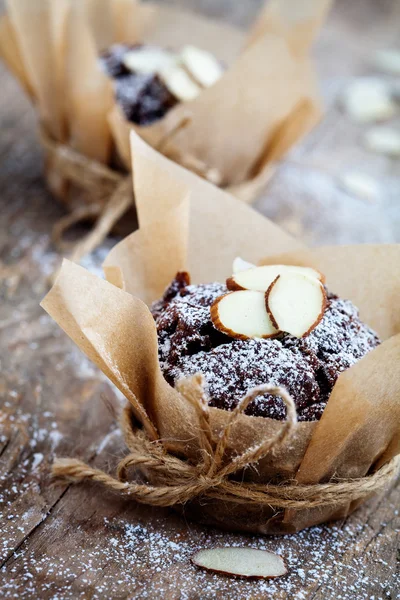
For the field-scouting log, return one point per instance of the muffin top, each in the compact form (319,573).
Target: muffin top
(150,80)
(308,367)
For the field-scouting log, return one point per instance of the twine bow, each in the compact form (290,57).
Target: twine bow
(179,481)
(109,192)
(109,195)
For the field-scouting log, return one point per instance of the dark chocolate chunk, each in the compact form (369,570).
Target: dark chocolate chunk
(143,97)
(180,282)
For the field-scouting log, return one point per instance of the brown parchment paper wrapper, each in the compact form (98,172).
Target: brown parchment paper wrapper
(235,130)
(186,223)
(268,85)
(298,22)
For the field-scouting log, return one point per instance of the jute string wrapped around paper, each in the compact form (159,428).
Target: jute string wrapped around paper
(234,131)
(188,224)
(110,190)
(176,481)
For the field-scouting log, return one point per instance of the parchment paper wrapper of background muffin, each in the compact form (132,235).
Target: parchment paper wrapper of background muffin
(264,102)
(188,224)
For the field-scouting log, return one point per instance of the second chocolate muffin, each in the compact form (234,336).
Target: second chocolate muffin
(150,80)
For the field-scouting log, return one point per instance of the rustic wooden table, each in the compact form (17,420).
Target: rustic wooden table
(65,542)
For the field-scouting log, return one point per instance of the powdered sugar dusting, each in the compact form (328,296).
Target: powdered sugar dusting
(308,367)
(232,369)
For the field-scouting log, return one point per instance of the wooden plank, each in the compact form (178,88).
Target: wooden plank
(64,542)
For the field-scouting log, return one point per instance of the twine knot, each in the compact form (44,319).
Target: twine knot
(109,191)
(171,480)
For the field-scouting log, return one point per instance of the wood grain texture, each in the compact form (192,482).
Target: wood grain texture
(63,542)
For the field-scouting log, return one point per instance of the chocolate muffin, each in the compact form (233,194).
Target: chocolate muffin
(150,80)
(308,367)
(143,97)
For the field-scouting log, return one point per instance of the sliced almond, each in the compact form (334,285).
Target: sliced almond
(359,185)
(368,99)
(148,59)
(242,315)
(295,303)
(180,83)
(202,65)
(241,562)
(241,265)
(260,278)
(383,140)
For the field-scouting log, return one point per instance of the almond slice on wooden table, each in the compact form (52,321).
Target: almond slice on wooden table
(202,65)
(260,278)
(241,562)
(388,59)
(383,140)
(295,303)
(359,185)
(242,315)
(368,99)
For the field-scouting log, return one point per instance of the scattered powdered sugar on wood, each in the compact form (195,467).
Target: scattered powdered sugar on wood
(88,544)
(167,572)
